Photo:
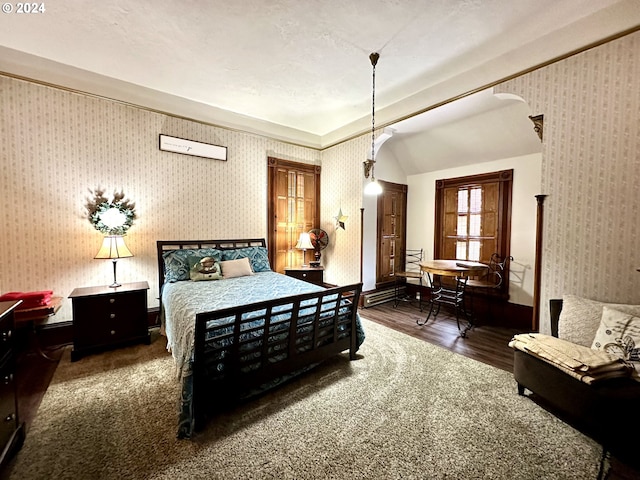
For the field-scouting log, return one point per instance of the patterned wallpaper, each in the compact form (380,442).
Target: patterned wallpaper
(56,145)
(342,191)
(590,172)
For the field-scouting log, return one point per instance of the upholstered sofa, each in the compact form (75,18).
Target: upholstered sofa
(606,410)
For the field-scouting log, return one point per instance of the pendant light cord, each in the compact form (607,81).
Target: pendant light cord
(374,60)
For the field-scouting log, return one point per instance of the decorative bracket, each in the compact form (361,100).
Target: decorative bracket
(368,165)
(538,124)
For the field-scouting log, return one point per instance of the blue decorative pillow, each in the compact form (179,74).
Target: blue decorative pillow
(258,257)
(176,262)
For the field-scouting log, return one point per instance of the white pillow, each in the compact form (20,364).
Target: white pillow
(236,268)
(618,335)
(580,318)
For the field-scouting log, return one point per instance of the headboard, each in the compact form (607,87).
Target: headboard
(167,245)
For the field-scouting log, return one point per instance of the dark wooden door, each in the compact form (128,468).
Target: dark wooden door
(392,232)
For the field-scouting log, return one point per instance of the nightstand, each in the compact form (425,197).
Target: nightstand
(107,317)
(308,274)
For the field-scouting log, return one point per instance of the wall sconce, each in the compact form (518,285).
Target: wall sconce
(113,247)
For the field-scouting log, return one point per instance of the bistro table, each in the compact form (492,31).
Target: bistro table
(451,294)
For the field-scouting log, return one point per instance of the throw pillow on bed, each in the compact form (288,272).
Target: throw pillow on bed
(619,335)
(236,268)
(176,262)
(580,318)
(205,268)
(258,257)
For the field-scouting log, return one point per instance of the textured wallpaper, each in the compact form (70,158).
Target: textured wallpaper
(590,172)
(56,145)
(342,191)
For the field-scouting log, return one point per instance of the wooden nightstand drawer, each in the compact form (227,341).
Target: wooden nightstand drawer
(308,274)
(105,317)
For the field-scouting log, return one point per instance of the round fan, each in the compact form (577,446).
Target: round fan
(319,240)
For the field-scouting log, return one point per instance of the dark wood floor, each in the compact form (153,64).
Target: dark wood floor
(485,343)
(33,375)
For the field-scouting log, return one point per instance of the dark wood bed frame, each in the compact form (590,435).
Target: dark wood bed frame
(296,336)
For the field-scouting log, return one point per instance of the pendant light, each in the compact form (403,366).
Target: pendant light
(373,187)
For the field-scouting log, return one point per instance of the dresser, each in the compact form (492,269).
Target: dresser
(11,429)
(308,274)
(108,317)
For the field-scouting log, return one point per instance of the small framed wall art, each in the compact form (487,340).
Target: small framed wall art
(190,147)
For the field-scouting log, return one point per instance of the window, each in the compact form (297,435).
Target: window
(293,208)
(473,217)
(470,223)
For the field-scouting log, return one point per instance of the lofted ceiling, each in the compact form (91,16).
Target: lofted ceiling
(298,70)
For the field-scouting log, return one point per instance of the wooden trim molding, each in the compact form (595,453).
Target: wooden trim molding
(535,318)
(273,165)
(505,179)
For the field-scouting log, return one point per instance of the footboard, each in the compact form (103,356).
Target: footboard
(242,348)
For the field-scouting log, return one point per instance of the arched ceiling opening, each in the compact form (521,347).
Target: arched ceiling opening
(479,128)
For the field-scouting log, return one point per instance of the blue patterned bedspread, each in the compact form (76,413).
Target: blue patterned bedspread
(183,300)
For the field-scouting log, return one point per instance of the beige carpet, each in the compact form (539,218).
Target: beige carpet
(405,409)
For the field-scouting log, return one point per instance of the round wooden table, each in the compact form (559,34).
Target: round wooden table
(453,268)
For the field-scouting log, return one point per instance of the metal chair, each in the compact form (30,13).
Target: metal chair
(495,273)
(490,282)
(411,274)
(451,295)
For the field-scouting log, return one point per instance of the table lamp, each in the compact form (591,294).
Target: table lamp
(113,247)
(304,244)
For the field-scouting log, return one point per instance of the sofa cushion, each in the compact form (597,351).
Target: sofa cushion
(580,318)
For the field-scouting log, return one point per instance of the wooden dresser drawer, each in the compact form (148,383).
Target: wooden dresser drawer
(8,414)
(6,336)
(12,430)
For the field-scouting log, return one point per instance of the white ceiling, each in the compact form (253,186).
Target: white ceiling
(292,69)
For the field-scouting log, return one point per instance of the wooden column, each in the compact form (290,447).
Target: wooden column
(535,321)
(361,241)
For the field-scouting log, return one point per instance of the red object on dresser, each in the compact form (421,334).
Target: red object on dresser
(29,299)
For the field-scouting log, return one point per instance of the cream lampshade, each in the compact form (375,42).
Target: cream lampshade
(113,247)
(304,244)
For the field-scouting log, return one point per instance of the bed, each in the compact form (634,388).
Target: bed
(232,338)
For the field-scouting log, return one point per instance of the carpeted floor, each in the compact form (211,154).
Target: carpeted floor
(404,409)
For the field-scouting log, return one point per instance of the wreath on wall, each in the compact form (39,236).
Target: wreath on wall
(110,216)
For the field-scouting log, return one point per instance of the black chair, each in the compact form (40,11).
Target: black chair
(410,275)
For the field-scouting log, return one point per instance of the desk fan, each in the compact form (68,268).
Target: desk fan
(319,240)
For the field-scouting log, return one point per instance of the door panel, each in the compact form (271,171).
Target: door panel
(293,208)
(392,207)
